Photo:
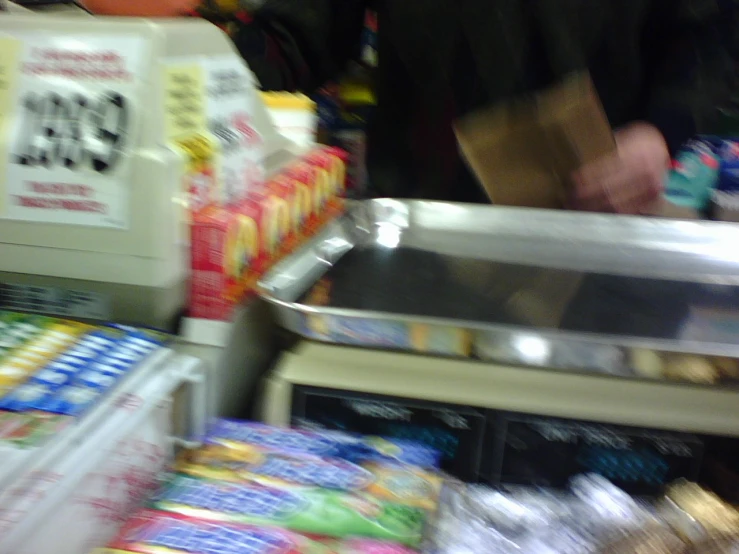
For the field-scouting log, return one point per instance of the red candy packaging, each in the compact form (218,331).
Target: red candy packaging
(153,532)
(225,254)
(233,246)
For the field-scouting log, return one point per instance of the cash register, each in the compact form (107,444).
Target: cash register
(106,125)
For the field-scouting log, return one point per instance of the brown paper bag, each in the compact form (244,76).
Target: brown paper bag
(523,153)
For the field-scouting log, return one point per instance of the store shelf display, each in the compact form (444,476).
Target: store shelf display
(234,245)
(255,488)
(53,370)
(347,493)
(366,467)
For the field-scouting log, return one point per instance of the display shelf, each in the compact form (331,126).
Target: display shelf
(40,480)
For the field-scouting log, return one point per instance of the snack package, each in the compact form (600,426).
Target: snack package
(62,369)
(286,189)
(24,361)
(10,422)
(152,532)
(15,329)
(697,513)
(333,161)
(272,215)
(397,483)
(236,436)
(224,255)
(316,180)
(25,430)
(104,361)
(595,517)
(305,510)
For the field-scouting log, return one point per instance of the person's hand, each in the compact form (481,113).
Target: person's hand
(631,180)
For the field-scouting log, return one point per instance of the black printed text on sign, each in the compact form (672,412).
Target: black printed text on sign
(74,131)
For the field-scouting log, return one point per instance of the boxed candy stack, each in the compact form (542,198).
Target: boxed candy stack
(52,370)
(232,246)
(282,490)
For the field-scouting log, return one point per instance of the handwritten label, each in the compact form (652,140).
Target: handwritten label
(186,131)
(184,101)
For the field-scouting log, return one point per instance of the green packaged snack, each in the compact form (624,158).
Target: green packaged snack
(309,510)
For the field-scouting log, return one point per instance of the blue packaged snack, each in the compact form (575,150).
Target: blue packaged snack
(88,348)
(111,367)
(80,356)
(71,400)
(142,347)
(729,175)
(150,335)
(52,377)
(95,379)
(72,360)
(26,397)
(148,340)
(354,448)
(103,336)
(92,366)
(123,354)
(69,366)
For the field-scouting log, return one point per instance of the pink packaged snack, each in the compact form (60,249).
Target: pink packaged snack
(153,532)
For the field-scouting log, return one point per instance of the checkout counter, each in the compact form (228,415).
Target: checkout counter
(526,345)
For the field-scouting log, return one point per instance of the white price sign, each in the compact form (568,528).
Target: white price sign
(230,103)
(71,128)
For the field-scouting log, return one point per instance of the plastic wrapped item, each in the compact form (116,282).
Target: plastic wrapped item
(647,540)
(152,532)
(722,544)
(397,483)
(696,513)
(596,517)
(233,436)
(306,510)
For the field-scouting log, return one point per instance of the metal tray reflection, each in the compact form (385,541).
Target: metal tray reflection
(528,286)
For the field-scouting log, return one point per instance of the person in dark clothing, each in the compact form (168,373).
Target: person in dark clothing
(661,68)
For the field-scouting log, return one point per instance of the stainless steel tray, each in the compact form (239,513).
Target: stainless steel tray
(526,286)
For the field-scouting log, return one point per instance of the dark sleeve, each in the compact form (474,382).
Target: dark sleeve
(692,67)
(300,44)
